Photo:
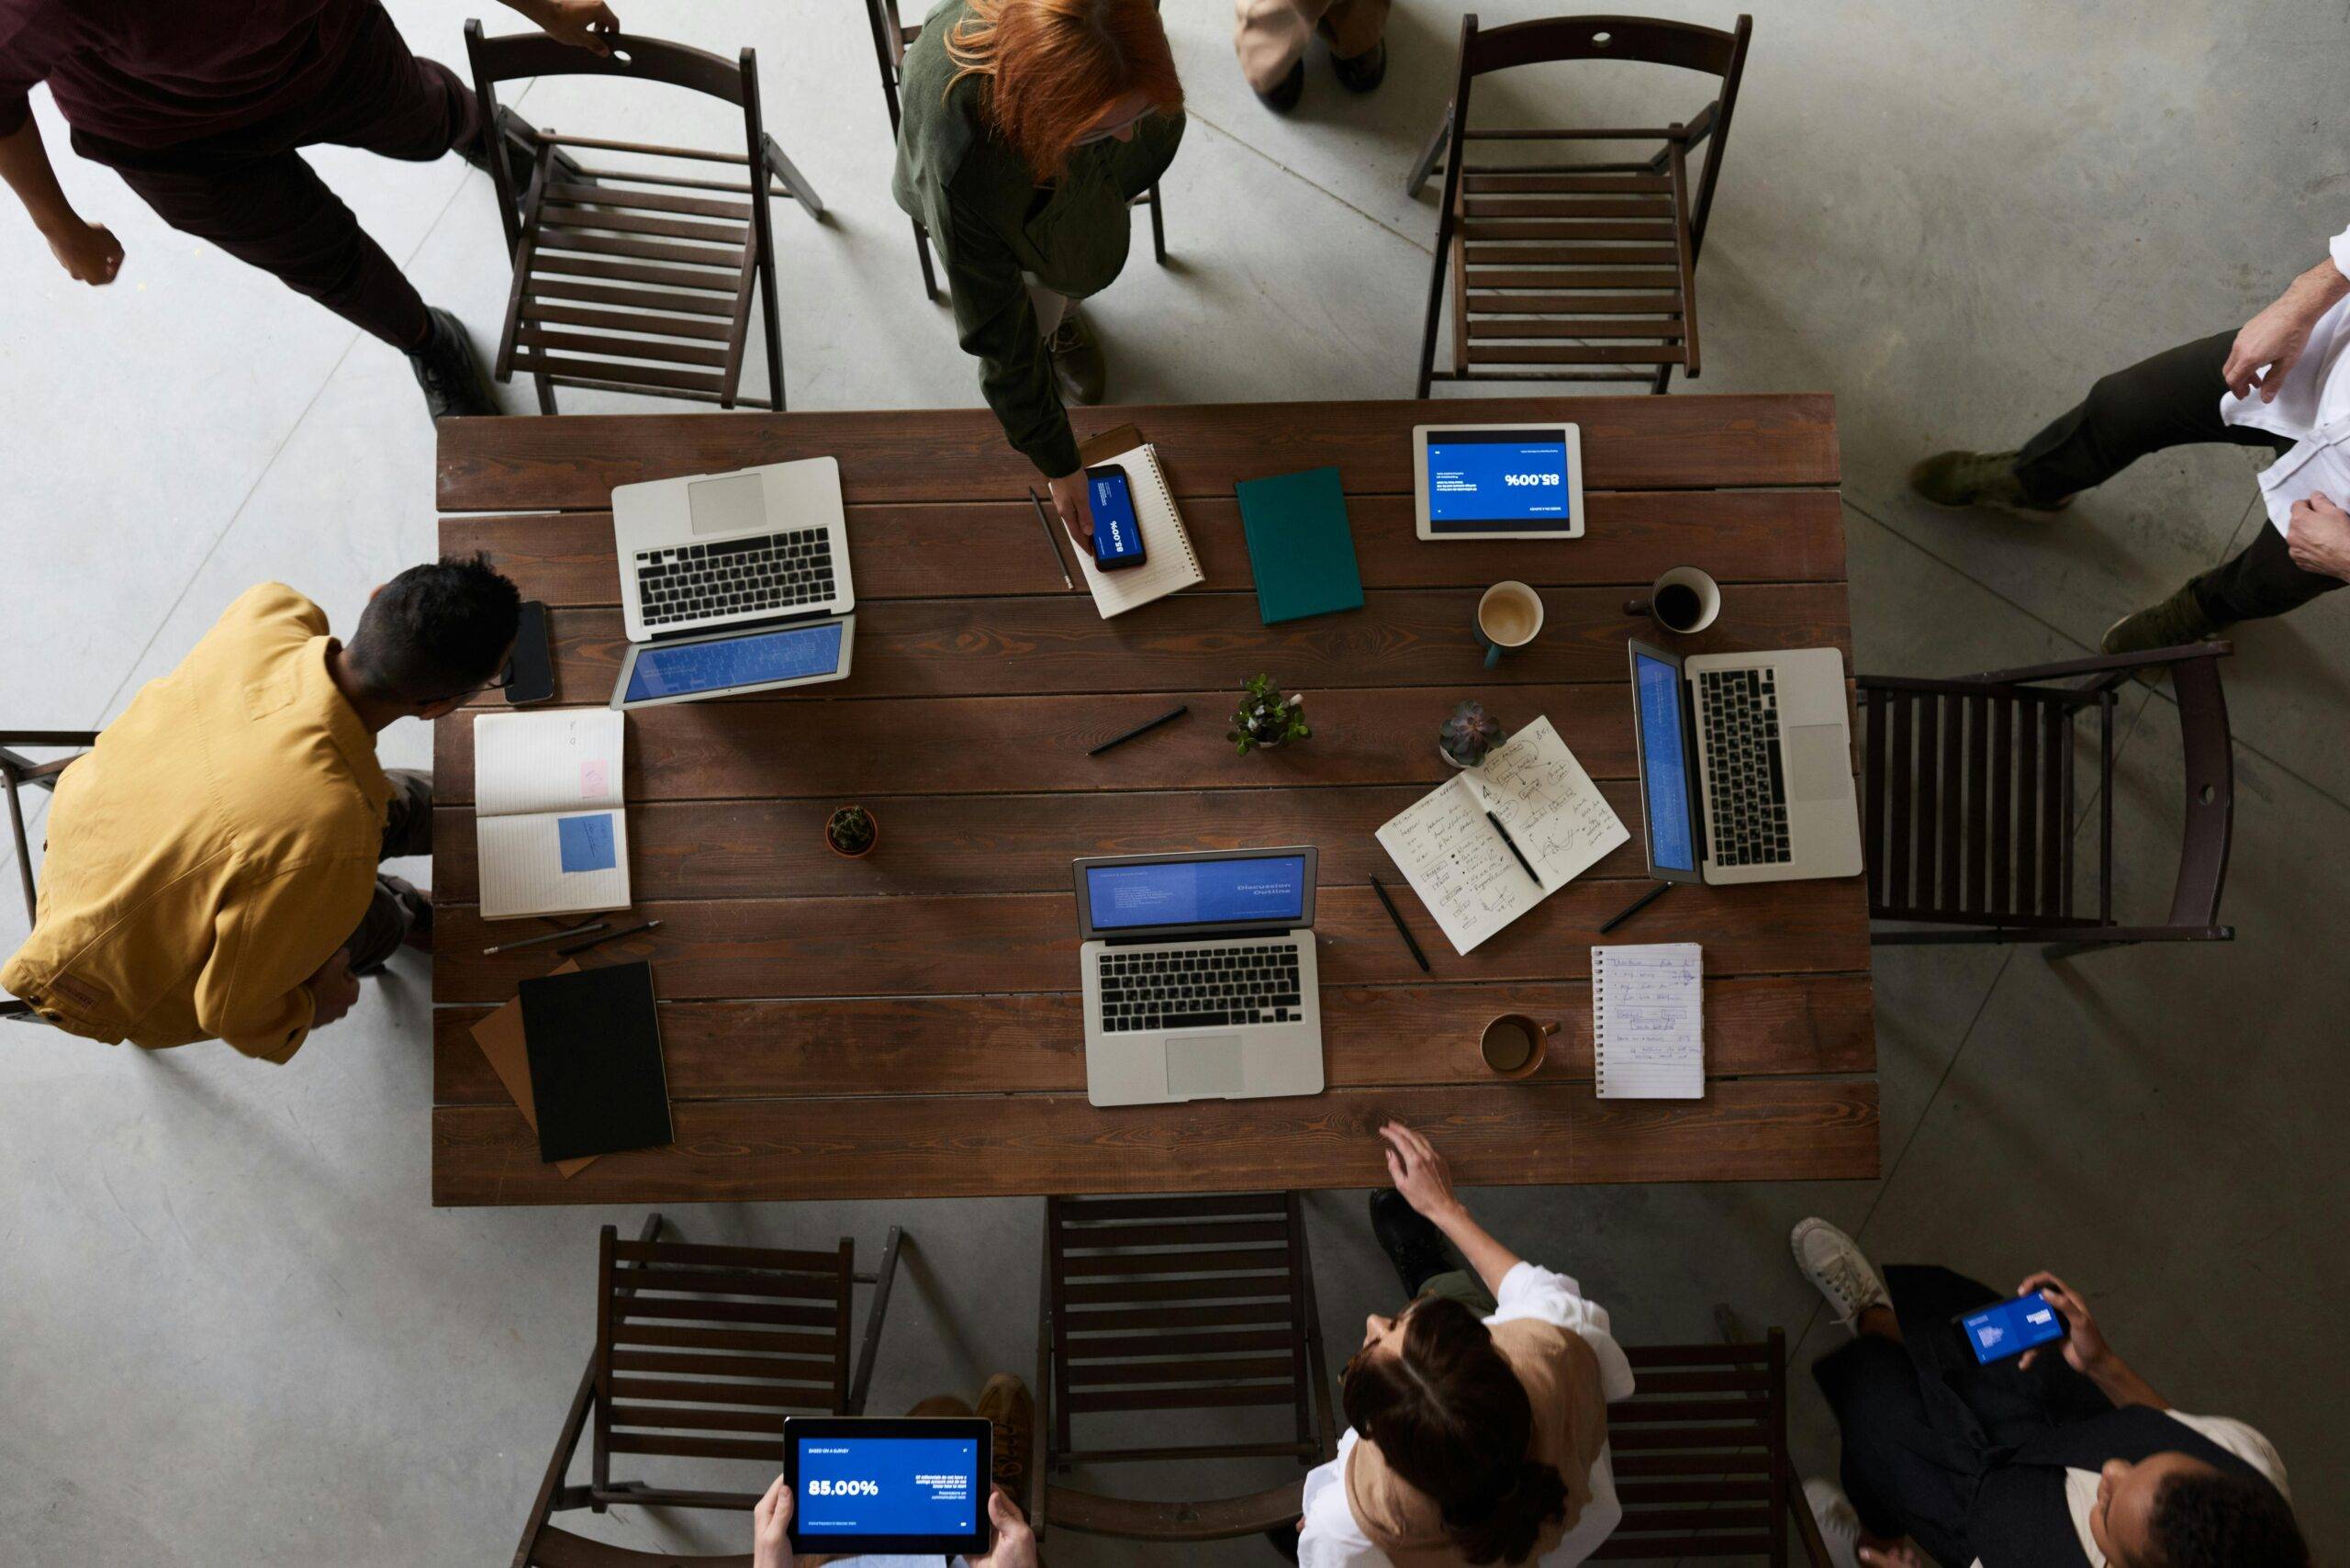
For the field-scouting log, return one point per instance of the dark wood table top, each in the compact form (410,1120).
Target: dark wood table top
(908,1024)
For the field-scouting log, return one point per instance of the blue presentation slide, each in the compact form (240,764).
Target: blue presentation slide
(1665,765)
(1187,892)
(887,1486)
(1511,477)
(1116,531)
(2012,1328)
(686,669)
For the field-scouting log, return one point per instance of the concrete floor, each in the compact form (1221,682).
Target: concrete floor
(236,1333)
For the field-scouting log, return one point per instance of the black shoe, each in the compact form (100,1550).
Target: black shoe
(446,369)
(1414,1245)
(1362,73)
(1287,91)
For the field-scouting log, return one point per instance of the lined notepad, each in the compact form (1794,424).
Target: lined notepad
(1169,563)
(550,831)
(1648,1021)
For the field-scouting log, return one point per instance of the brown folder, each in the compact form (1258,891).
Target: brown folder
(499,1035)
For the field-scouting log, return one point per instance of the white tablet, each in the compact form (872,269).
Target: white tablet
(1498,481)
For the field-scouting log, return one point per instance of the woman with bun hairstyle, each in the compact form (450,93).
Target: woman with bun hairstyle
(1478,1414)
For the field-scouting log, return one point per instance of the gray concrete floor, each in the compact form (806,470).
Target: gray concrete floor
(236,1332)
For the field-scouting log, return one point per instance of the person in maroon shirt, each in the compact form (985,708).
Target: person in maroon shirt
(200,107)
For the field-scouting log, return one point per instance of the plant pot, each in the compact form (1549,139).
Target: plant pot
(1267,743)
(1452,759)
(870,843)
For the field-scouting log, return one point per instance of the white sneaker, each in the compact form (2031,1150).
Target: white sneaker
(1840,1527)
(1832,1262)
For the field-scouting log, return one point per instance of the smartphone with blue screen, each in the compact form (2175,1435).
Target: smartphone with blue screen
(2010,1329)
(1117,532)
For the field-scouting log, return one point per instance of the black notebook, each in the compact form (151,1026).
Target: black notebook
(595,1048)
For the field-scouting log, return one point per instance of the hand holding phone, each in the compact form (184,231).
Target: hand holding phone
(2084,1346)
(1068,499)
(2011,1328)
(1117,531)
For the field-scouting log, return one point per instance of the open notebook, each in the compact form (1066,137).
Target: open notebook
(1169,563)
(551,834)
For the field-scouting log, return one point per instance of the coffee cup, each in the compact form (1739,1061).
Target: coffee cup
(1509,616)
(1513,1044)
(1683,599)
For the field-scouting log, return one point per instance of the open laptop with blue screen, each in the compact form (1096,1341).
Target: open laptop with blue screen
(1199,974)
(1746,765)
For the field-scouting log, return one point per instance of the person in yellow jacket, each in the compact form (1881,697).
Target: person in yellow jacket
(211,870)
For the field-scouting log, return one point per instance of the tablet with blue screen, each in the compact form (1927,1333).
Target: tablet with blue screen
(1498,481)
(880,1484)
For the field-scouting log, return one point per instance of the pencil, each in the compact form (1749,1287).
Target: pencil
(1144,728)
(608,936)
(1637,904)
(1051,543)
(546,937)
(1513,849)
(1401,929)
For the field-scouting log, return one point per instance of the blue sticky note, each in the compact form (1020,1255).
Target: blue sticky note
(586,842)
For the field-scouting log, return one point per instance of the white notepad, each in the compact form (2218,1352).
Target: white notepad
(1168,565)
(1648,1021)
(1458,865)
(551,836)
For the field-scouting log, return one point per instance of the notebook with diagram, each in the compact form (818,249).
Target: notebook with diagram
(551,834)
(1648,1021)
(1168,565)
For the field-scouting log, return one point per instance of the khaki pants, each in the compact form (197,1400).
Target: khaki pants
(1270,36)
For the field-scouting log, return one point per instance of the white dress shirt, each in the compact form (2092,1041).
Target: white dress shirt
(2313,408)
(1333,1539)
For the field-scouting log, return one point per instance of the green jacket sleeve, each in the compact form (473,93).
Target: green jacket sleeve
(996,323)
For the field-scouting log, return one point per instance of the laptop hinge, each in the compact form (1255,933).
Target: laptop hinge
(1699,793)
(1164,937)
(768,624)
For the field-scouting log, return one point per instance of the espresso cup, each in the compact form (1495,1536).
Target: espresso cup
(1513,1044)
(1509,616)
(1683,599)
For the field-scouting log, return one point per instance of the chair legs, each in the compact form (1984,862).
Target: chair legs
(546,394)
(862,1379)
(1157,226)
(793,180)
(921,253)
(1425,165)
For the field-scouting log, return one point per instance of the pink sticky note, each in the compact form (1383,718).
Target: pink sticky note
(595,780)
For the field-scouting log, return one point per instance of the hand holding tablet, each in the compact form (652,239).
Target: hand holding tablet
(1016,1543)
(874,1484)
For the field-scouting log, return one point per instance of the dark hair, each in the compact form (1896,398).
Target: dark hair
(1451,1418)
(435,630)
(2208,1519)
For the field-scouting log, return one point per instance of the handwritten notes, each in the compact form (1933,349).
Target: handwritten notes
(1455,859)
(1648,1014)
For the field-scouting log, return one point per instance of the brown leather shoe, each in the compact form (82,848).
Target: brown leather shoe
(1006,1402)
(1078,362)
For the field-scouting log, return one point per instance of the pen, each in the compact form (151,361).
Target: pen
(1175,712)
(608,936)
(1049,540)
(1513,849)
(546,937)
(1401,929)
(1637,904)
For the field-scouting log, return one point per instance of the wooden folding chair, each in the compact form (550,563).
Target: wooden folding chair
(692,261)
(1162,1305)
(18,773)
(891,39)
(701,1353)
(1575,271)
(1968,802)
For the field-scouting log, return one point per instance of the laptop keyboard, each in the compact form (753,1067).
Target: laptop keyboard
(1746,789)
(1199,988)
(774,572)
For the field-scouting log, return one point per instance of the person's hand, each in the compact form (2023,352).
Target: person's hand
(1077,512)
(2274,338)
(1902,1553)
(770,1521)
(577,23)
(88,251)
(334,991)
(1418,1171)
(2318,536)
(1016,1543)
(2085,1345)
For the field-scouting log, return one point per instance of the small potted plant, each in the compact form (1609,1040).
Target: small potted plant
(1468,734)
(851,833)
(1265,718)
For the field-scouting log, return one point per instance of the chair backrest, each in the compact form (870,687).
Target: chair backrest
(1700,1453)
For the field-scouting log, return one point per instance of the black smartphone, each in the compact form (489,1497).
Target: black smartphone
(530,673)
(1117,532)
(2011,1328)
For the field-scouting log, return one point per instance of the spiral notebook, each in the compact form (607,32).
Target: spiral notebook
(1648,1021)
(1168,565)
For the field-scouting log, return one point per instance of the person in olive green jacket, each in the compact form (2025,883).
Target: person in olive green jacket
(1029,125)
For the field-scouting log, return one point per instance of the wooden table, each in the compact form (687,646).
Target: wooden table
(908,1024)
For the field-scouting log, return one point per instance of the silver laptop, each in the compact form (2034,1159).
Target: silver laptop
(1746,765)
(1199,979)
(733,582)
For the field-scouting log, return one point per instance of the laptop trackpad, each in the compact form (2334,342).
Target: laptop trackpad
(736,504)
(1203,1067)
(1819,763)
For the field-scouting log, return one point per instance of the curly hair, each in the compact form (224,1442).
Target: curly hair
(1055,65)
(2213,1520)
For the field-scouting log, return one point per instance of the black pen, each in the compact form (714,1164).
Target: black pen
(1054,543)
(1513,849)
(1401,929)
(1175,712)
(608,936)
(1637,904)
(582,929)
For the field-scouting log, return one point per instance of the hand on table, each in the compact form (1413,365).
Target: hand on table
(333,989)
(2085,1345)
(1077,512)
(2318,536)
(88,251)
(1418,1171)
(770,1545)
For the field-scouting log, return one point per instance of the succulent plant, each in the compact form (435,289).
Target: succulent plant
(1266,718)
(1470,734)
(851,830)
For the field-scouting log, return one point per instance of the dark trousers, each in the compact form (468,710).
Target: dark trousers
(408,830)
(1920,1422)
(2171,399)
(251,193)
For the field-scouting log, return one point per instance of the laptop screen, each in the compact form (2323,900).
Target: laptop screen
(1254,890)
(686,670)
(1664,764)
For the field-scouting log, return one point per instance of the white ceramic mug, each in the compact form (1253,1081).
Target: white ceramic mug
(1670,598)
(1509,616)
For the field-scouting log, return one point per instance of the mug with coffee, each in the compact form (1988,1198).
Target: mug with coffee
(1507,617)
(1683,599)
(1513,1044)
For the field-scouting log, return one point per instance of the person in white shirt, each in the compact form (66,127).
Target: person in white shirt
(2281,382)
(2059,1458)
(1478,1413)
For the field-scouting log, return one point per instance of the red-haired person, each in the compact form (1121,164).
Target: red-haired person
(1029,125)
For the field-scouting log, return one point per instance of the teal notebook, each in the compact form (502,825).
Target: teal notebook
(1299,544)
